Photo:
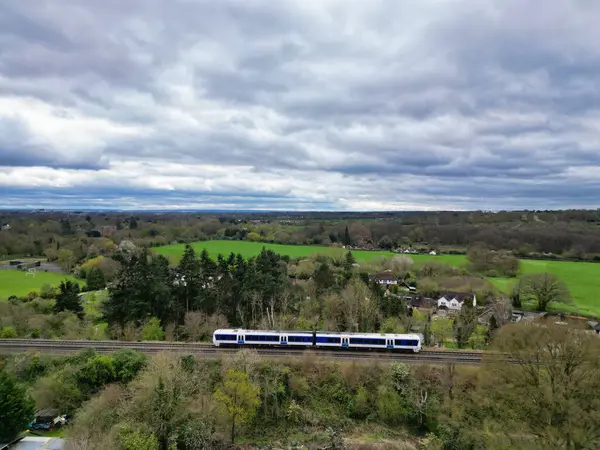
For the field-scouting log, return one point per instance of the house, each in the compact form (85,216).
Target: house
(419,301)
(454,300)
(35,443)
(432,253)
(5,226)
(386,278)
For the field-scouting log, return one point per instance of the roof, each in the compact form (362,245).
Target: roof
(460,296)
(385,276)
(47,413)
(38,443)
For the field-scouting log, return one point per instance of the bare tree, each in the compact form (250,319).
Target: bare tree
(544,288)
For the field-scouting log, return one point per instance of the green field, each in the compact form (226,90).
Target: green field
(15,282)
(248,249)
(583,279)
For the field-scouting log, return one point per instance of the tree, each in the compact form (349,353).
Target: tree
(515,297)
(386,243)
(58,390)
(550,389)
(16,407)
(492,327)
(239,398)
(544,288)
(66,259)
(95,279)
(347,240)
(96,373)
(127,363)
(465,323)
(68,298)
(152,331)
(137,439)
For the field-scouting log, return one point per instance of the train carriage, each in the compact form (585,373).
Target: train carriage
(262,338)
(319,339)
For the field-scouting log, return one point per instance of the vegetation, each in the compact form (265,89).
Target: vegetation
(547,400)
(16,407)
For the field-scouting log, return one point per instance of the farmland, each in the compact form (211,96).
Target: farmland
(248,249)
(15,282)
(583,279)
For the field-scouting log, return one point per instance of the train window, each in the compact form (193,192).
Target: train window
(407,342)
(226,337)
(329,340)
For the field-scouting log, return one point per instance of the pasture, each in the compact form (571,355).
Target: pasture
(583,279)
(248,249)
(15,282)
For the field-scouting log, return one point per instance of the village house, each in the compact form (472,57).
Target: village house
(454,300)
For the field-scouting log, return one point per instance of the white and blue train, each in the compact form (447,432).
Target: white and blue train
(319,339)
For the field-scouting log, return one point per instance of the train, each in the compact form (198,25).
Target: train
(317,339)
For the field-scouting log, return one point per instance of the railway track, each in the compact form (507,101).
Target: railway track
(208,350)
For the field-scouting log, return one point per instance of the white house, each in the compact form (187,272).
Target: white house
(454,300)
(432,253)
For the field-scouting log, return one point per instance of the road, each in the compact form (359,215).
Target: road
(209,351)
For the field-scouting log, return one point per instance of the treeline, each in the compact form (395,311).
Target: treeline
(257,292)
(72,237)
(173,402)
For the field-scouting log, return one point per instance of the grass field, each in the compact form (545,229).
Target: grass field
(15,282)
(248,249)
(583,279)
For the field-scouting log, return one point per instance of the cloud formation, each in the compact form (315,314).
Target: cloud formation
(339,104)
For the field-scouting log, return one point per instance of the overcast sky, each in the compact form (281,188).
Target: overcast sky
(300,105)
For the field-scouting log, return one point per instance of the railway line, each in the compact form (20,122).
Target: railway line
(206,350)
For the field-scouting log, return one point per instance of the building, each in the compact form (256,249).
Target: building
(6,226)
(386,278)
(35,443)
(419,301)
(454,300)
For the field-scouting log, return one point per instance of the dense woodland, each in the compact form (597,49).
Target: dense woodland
(128,401)
(540,234)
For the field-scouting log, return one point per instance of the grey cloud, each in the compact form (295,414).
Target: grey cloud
(488,102)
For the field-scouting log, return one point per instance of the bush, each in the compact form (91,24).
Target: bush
(152,331)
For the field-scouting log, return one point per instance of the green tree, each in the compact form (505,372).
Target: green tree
(96,373)
(68,298)
(386,243)
(137,439)
(58,390)
(544,288)
(66,259)
(549,390)
(239,398)
(347,240)
(189,283)
(465,323)
(127,364)
(491,330)
(152,331)
(95,279)
(16,407)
